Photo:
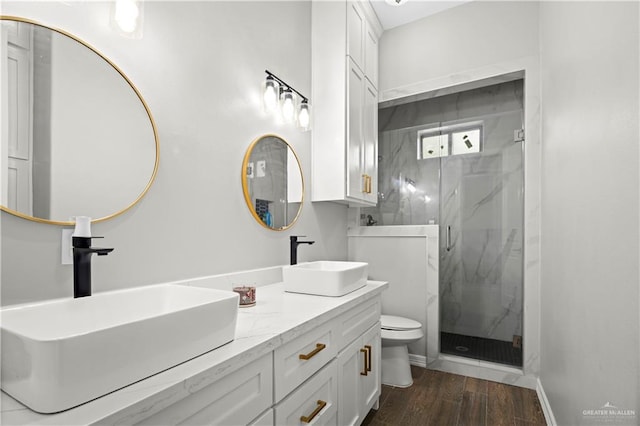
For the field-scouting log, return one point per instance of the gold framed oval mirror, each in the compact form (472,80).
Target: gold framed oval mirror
(272,182)
(78,138)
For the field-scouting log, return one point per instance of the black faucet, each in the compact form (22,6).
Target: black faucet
(82,252)
(294,243)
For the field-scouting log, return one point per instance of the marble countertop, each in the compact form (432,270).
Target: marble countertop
(276,319)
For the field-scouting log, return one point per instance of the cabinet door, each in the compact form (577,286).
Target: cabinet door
(356,24)
(370,142)
(371,383)
(355,109)
(237,398)
(266,419)
(371,55)
(350,365)
(359,377)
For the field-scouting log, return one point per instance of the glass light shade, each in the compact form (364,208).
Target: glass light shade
(270,94)
(304,116)
(287,105)
(127,16)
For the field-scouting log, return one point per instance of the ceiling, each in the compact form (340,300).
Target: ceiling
(393,16)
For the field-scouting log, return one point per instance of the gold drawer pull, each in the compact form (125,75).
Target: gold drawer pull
(366,363)
(368,348)
(319,347)
(365,180)
(321,405)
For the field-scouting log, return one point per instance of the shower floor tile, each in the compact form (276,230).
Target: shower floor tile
(481,348)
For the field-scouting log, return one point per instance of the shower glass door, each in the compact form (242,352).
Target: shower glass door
(481,238)
(456,161)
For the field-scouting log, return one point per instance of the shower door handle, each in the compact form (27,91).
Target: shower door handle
(448,238)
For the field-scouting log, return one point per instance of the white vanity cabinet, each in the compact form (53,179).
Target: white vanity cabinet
(244,396)
(302,357)
(332,373)
(328,375)
(345,102)
(316,401)
(359,377)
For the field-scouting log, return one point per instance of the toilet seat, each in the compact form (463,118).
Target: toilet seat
(392,322)
(401,335)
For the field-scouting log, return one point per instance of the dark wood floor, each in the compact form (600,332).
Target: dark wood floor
(439,399)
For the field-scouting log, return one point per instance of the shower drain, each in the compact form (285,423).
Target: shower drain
(462,349)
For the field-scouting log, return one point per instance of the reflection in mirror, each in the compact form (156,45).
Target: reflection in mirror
(79,138)
(272,182)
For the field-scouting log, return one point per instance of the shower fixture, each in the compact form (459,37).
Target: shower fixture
(411,185)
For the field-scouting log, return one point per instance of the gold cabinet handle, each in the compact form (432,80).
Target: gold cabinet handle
(368,348)
(319,347)
(321,405)
(367,184)
(366,363)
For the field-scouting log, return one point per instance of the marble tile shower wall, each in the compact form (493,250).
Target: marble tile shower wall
(479,196)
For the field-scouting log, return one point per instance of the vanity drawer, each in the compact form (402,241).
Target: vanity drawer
(299,359)
(316,400)
(353,323)
(237,398)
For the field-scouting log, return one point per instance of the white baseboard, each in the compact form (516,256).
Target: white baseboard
(546,407)
(418,360)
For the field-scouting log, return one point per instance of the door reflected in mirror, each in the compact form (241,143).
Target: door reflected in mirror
(79,138)
(272,182)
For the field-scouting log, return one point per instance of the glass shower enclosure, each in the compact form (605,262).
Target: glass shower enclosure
(457,161)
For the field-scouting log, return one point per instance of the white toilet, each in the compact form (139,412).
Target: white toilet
(397,333)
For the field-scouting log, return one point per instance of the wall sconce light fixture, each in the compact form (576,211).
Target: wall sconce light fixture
(127,17)
(276,92)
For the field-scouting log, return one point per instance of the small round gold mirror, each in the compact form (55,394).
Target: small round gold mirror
(272,182)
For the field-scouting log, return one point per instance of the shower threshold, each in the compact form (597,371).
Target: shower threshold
(481,348)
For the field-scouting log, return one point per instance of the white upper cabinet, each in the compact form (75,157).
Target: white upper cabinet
(345,102)
(362,40)
(356,24)
(371,55)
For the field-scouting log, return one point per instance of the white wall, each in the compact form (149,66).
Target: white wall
(199,66)
(590,72)
(456,42)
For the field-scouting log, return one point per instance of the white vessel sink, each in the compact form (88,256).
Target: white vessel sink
(62,353)
(325,278)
